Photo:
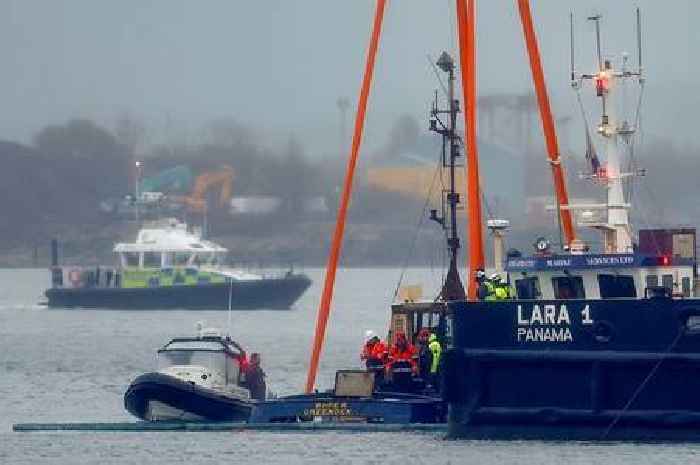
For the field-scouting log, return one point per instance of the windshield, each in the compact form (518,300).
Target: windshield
(216,361)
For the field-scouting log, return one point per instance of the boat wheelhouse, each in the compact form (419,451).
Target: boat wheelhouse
(601,276)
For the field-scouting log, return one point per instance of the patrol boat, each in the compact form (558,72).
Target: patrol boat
(171,266)
(200,378)
(597,345)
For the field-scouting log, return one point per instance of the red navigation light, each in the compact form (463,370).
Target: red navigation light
(602,172)
(601,84)
(665,261)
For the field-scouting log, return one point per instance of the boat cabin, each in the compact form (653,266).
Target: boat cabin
(601,276)
(209,360)
(168,244)
(411,317)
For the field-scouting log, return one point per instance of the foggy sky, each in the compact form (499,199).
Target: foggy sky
(280,65)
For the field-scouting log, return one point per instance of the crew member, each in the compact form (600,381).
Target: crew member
(255,378)
(501,289)
(436,351)
(374,352)
(425,358)
(484,289)
(402,351)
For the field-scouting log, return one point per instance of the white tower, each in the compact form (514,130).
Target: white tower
(617,132)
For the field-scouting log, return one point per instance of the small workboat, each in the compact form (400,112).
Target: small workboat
(203,378)
(171,266)
(355,398)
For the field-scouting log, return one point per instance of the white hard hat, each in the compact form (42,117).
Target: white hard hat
(496,277)
(480,273)
(369,334)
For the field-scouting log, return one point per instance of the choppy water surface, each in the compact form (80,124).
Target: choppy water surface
(74,365)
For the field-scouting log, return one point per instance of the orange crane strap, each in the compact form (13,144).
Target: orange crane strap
(327,296)
(466,13)
(547,120)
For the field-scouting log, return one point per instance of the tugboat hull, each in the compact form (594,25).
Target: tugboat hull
(159,397)
(622,369)
(278,293)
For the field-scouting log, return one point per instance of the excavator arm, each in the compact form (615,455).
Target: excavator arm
(196,200)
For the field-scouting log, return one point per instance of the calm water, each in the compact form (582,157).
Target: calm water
(74,365)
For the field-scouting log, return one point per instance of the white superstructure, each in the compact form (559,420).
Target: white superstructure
(169,243)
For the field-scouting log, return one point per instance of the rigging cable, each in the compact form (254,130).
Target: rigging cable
(643,384)
(421,219)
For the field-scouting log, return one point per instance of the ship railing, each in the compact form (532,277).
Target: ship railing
(82,277)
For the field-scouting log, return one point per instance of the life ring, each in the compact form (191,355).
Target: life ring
(75,277)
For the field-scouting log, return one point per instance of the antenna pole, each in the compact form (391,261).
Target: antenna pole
(452,288)
(596,18)
(331,267)
(571,24)
(230,299)
(639,41)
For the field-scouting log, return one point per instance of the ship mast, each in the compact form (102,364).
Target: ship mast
(452,288)
(616,131)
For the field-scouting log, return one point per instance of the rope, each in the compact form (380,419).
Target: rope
(421,219)
(643,384)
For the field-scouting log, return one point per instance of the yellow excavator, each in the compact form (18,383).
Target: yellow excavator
(196,200)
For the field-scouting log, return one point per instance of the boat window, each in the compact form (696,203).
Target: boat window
(652,280)
(212,360)
(528,288)
(132,258)
(685,286)
(612,286)
(181,258)
(151,260)
(196,345)
(568,287)
(667,282)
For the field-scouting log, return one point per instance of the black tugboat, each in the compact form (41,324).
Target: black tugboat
(596,346)
(170,266)
(203,378)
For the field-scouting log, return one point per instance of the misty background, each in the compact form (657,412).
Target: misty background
(88,87)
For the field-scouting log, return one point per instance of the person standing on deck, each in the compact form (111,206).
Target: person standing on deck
(436,351)
(484,288)
(374,352)
(255,378)
(425,358)
(403,351)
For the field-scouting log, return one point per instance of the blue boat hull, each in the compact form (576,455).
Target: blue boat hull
(574,369)
(268,293)
(386,408)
